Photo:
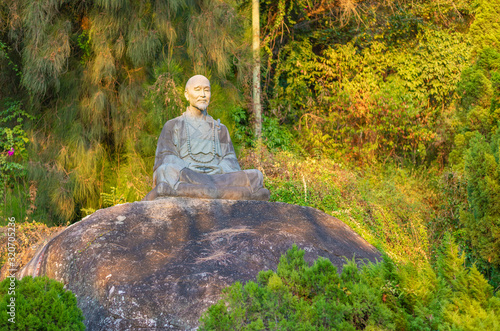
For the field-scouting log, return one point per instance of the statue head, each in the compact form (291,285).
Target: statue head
(197,92)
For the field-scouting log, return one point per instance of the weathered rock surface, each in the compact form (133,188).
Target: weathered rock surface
(159,264)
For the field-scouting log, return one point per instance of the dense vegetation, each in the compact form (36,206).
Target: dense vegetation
(100,78)
(39,303)
(384,114)
(376,297)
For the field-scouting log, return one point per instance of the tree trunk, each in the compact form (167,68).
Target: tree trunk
(257,109)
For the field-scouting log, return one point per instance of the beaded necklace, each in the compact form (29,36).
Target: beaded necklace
(189,141)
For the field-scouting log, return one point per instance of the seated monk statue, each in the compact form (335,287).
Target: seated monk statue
(195,156)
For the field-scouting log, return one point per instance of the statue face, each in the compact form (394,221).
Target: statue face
(198,92)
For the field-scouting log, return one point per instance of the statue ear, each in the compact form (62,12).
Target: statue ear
(186,95)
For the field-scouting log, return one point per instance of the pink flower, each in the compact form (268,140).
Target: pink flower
(11,152)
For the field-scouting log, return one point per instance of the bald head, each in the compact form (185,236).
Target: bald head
(197,79)
(197,92)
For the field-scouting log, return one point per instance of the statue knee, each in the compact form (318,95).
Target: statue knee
(255,178)
(164,189)
(165,172)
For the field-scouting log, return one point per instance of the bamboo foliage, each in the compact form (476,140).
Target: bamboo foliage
(47,46)
(113,5)
(143,45)
(211,35)
(86,67)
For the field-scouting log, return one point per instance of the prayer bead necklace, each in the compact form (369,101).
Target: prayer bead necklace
(189,141)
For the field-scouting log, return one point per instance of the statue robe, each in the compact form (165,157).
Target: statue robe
(211,163)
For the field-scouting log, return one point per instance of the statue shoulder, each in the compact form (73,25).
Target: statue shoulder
(222,127)
(171,129)
(224,135)
(173,123)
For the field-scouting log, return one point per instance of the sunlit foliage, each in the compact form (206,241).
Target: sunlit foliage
(375,297)
(476,154)
(404,92)
(364,81)
(102,77)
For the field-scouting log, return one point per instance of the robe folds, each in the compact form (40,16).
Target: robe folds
(199,152)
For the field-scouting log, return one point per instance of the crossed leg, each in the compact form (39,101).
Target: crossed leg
(239,185)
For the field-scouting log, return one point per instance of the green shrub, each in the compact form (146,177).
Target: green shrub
(40,304)
(476,155)
(478,106)
(482,220)
(299,297)
(379,102)
(274,135)
(384,296)
(13,142)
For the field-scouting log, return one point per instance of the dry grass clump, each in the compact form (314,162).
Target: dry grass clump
(29,237)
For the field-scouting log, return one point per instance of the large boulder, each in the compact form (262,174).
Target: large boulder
(160,264)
